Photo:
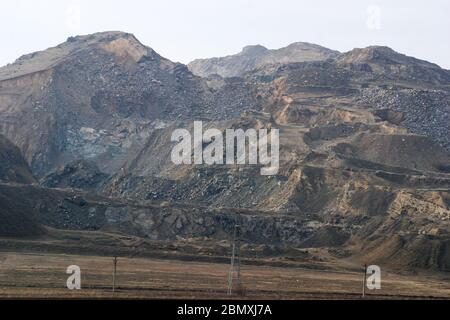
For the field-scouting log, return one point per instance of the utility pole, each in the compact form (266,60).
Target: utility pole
(364,281)
(114,274)
(235,268)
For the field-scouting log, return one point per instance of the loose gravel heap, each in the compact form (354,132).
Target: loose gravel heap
(426,112)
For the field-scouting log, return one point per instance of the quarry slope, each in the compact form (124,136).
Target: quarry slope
(364,149)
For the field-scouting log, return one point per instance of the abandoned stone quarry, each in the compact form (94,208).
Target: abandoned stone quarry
(86,172)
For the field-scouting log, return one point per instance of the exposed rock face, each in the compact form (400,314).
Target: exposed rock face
(69,210)
(256,56)
(363,146)
(99,97)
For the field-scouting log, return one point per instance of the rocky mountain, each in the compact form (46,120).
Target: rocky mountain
(364,146)
(346,160)
(99,97)
(252,57)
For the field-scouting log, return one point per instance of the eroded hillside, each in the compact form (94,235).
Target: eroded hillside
(364,140)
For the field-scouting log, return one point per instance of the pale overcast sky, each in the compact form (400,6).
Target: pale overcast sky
(183,30)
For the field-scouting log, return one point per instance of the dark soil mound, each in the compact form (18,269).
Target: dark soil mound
(13,167)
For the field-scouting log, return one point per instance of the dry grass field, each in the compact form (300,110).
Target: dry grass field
(43,275)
